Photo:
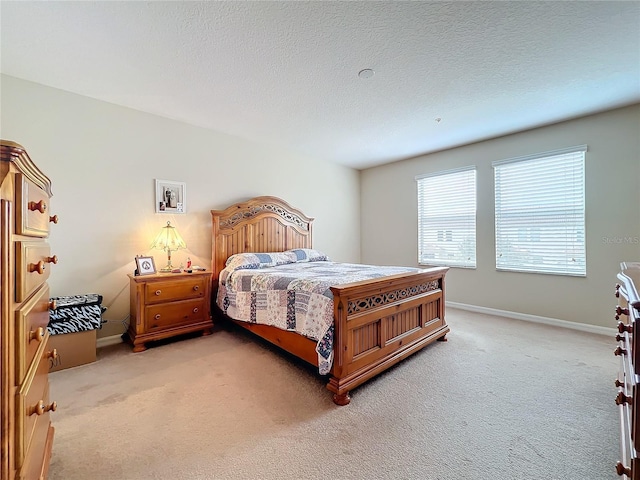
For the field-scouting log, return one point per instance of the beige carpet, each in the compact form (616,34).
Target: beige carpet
(503,399)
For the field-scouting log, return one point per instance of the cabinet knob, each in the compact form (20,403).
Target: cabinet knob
(40,408)
(158,292)
(620,351)
(53,305)
(54,219)
(618,383)
(622,398)
(196,288)
(617,293)
(623,327)
(40,206)
(53,259)
(37,334)
(157,316)
(53,354)
(37,267)
(622,470)
(195,310)
(619,338)
(621,311)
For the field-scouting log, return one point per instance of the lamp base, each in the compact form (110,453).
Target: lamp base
(166,269)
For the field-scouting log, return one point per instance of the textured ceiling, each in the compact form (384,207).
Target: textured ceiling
(286,73)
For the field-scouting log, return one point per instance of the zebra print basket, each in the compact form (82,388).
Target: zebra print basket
(76,313)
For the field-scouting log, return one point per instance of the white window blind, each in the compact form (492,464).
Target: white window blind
(539,202)
(447,218)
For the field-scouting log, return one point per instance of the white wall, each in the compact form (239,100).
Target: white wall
(389,217)
(102,160)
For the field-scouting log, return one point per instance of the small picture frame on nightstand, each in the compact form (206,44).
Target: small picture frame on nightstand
(145,265)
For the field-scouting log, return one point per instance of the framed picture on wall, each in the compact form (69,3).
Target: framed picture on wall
(171,197)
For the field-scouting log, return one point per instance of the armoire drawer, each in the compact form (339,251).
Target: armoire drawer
(31,330)
(32,216)
(33,406)
(35,466)
(33,262)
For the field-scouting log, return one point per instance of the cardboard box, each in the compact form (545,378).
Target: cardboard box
(73,349)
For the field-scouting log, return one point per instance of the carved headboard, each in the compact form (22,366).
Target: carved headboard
(260,225)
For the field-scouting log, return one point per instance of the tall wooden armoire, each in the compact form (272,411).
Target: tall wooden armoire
(25,262)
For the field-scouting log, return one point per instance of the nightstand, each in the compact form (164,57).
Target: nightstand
(168,304)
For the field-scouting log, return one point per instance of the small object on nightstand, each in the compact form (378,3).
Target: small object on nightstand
(188,263)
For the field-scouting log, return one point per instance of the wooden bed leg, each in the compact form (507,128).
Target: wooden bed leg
(341,399)
(443,338)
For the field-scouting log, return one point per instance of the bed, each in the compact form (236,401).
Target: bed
(376,322)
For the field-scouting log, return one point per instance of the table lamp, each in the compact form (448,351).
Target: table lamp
(169,240)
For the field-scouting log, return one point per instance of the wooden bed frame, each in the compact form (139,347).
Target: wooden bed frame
(377,322)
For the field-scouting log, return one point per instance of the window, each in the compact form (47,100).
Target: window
(540,213)
(447,218)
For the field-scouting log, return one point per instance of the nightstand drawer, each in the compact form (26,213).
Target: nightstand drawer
(161,317)
(33,262)
(159,292)
(31,330)
(33,209)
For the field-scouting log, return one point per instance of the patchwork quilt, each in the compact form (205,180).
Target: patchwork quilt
(291,290)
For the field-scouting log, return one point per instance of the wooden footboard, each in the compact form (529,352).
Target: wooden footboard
(380,322)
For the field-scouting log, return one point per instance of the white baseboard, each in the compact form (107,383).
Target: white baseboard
(583,327)
(106,341)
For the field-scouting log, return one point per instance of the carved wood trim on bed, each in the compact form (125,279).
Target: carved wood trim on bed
(377,322)
(262,224)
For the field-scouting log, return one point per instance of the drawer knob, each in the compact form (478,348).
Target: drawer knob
(40,206)
(157,316)
(623,327)
(158,292)
(53,259)
(622,470)
(618,383)
(619,338)
(620,351)
(53,305)
(54,219)
(37,334)
(196,288)
(195,310)
(622,398)
(617,294)
(621,311)
(40,408)
(37,267)
(53,354)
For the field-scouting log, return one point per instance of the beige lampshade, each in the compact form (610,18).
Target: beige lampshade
(168,240)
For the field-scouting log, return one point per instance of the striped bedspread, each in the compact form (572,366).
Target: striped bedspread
(293,296)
